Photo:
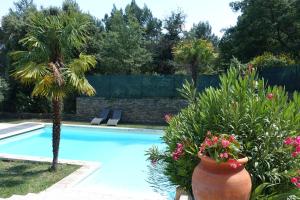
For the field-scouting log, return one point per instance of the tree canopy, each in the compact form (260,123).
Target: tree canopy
(203,30)
(164,60)
(122,45)
(263,26)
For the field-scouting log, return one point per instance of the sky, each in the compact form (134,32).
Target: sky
(217,12)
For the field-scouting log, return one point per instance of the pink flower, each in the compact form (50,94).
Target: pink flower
(179,146)
(168,118)
(234,163)
(294,154)
(295,143)
(202,148)
(288,141)
(298,185)
(225,143)
(208,133)
(231,138)
(225,155)
(175,156)
(178,151)
(294,180)
(270,96)
(297,140)
(297,149)
(208,142)
(215,139)
(219,147)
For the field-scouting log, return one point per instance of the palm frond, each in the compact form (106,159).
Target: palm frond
(47,88)
(85,88)
(31,72)
(82,64)
(75,33)
(79,83)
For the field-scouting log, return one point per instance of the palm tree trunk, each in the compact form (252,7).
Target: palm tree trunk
(56,131)
(194,73)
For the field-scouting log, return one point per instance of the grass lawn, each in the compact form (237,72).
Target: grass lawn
(22,177)
(147,126)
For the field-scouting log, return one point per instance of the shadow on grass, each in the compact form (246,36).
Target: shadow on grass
(11,183)
(18,168)
(17,175)
(36,172)
(22,177)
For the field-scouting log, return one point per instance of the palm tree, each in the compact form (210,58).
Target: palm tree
(194,54)
(52,62)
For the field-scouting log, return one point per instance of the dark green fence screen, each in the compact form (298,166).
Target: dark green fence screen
(148,86)
(289,77)
(145,86)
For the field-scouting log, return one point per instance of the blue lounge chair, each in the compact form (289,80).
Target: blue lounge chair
(116,117)
(102,117)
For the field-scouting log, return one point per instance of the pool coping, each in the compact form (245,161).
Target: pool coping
(87,168)
(19,132)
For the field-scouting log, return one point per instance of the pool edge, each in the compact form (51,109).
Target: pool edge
(22,131)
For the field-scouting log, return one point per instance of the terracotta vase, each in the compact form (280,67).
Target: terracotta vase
(219,181)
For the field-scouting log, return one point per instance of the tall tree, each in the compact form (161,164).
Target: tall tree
(152,30)
(174,32)
(271,26)
(195,55)
(203,30)
(52,62)
(70,6)
(123,48)
(151,25)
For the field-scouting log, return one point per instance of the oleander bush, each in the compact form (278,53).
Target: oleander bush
(259,116)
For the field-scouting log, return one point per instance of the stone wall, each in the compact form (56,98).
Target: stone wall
(149,111)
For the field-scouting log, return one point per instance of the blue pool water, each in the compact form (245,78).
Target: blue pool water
(120,152)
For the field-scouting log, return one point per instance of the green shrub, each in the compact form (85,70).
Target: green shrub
(260,117)
(270,60)
(3,91)
(26,103)
(268,191)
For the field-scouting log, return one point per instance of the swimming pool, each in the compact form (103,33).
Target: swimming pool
(121,153)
